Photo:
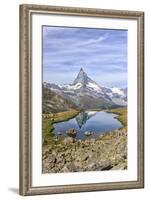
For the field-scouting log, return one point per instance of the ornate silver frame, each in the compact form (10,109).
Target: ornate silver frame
(25,98)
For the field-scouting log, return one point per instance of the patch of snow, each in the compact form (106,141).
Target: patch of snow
(69,91)
(117,91)
(60,86)
(94,86)
(110,94)
(73,87)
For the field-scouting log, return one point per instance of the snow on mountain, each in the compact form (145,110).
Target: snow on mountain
(86,81)
(118,96)
(81,78)
(73,87)
(94,87)
(83,81)
(85,86)
(117,91)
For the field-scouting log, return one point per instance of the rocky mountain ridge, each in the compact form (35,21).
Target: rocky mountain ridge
(84,93)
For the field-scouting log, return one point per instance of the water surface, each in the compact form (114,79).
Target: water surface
(96,122)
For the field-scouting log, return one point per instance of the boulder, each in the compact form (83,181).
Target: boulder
(72,132)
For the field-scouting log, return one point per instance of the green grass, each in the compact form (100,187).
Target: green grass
(122,115)
(50,119)
(64,116)
(47,130)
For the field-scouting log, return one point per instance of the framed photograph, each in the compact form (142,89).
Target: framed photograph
(81,99)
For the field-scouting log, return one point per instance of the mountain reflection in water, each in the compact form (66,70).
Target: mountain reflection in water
(96,122)
(82,117)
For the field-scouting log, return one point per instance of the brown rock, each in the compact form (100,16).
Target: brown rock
(72,132)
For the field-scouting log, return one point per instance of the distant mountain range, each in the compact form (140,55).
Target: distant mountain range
(83,93)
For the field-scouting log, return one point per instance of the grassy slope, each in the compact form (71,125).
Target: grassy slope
(49,119)
(122,115)
(64,116)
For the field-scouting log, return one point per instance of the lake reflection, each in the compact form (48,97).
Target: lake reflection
(96,122)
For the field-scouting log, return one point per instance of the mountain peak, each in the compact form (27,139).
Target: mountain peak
(83,81)
(81,77)
(81,69)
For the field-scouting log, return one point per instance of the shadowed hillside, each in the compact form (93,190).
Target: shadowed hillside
(53,102)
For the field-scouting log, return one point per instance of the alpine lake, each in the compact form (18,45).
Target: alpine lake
(87,124)
(77,141)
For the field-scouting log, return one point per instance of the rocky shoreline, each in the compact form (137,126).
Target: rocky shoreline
(105,152)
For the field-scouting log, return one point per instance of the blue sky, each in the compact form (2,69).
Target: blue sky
(102,53)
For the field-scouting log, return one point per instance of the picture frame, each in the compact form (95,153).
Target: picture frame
(27,81)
